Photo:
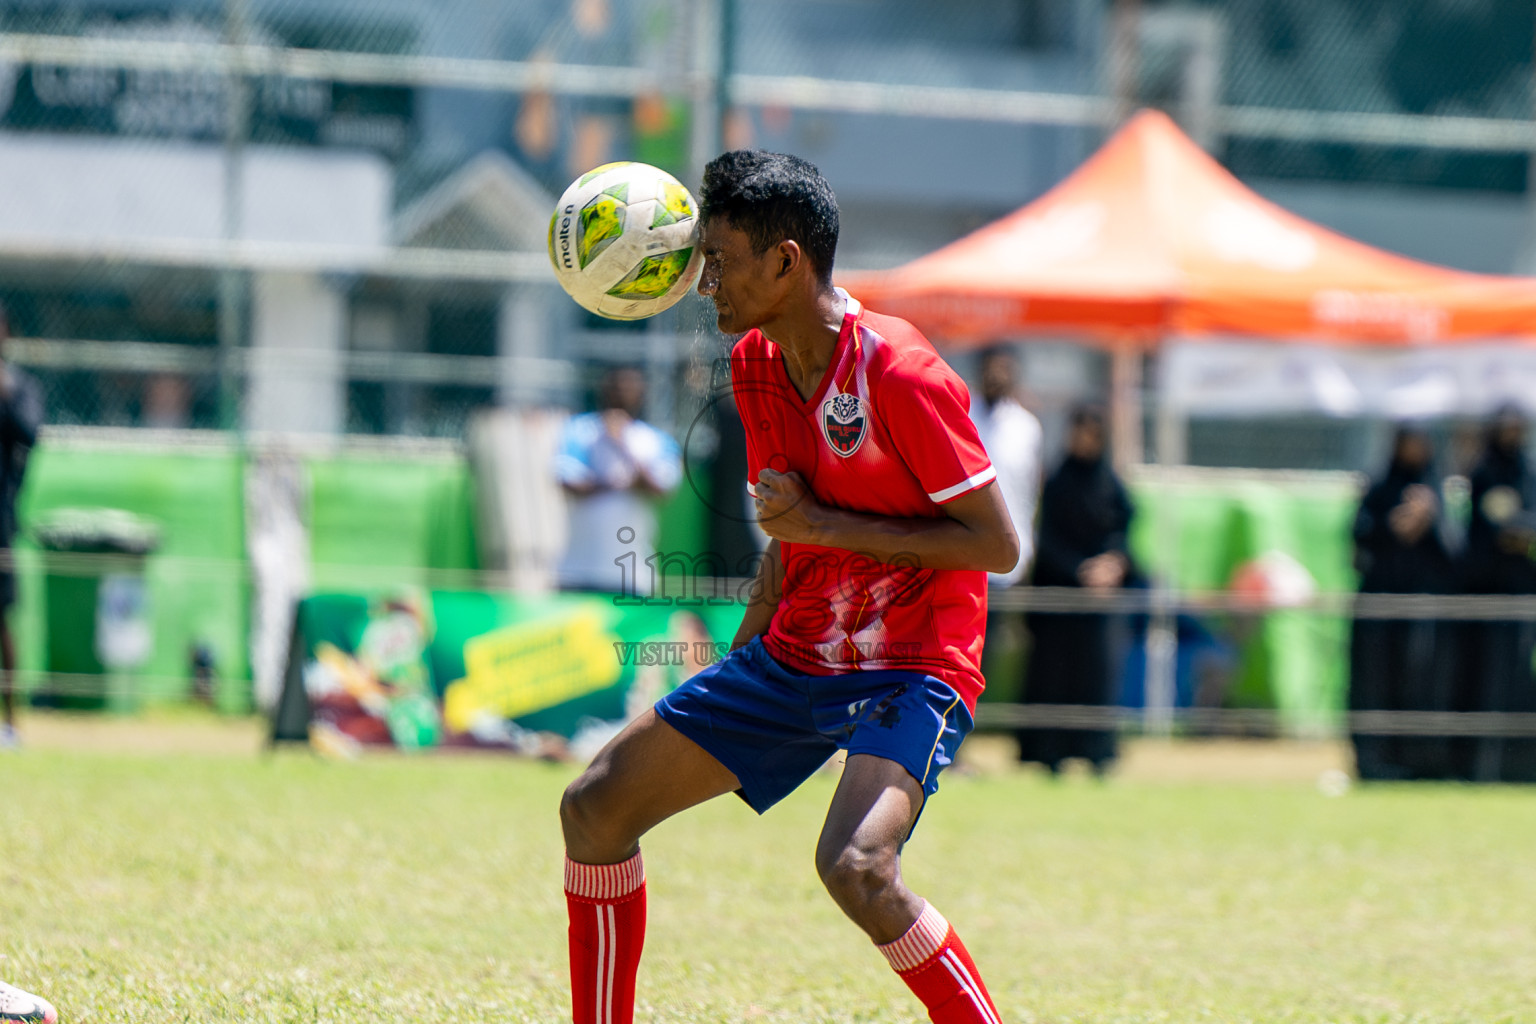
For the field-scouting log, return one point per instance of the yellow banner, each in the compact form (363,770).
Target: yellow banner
(531,666)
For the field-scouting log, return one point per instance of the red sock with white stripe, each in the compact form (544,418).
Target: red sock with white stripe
(606,904)
(934,963)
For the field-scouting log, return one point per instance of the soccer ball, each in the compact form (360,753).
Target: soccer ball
(624,240)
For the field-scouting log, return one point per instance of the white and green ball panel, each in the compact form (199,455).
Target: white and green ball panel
(623,239)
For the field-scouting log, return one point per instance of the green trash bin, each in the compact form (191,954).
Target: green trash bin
(95,605)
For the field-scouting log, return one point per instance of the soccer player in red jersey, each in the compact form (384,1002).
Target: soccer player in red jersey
(864,629)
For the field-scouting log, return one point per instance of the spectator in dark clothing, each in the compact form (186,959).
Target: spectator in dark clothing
(1084,516)
(21,413)
(1402,664)
(1496,655)
(735,539)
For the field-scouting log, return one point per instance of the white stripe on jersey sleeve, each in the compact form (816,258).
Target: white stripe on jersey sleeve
(970,483)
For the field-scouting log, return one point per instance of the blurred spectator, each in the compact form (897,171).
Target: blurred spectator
(205,672)
(1402,664)
(1084,516)
(1495,670)
(1012,436)
(167,402)
(613,465)
(21,413)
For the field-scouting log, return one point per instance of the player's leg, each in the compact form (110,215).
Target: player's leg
(859,859)
(646,774)
(859,852)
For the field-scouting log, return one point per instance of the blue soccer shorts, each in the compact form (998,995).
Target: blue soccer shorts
(772,727)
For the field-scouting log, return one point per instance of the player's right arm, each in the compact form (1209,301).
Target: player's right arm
(764,597)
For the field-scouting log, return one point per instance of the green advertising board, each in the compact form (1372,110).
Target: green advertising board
(413,669)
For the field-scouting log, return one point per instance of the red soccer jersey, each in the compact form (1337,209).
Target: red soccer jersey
(886,433)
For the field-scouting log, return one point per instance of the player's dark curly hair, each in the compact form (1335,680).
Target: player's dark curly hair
(771,197)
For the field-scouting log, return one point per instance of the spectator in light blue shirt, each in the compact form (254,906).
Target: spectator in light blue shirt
(613,467)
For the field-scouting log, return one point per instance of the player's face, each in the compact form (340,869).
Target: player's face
(742,283)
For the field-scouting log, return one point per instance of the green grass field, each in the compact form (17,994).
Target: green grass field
(199,887)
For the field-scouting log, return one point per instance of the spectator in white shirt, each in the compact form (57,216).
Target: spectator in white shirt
(1012,437)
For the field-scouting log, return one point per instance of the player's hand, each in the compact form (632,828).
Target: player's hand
(786,509)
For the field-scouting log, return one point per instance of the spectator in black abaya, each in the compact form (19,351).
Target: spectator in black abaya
(1496,655)
(1084,515)
(1402,664)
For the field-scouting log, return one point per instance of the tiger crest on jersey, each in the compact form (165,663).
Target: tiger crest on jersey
(844,422)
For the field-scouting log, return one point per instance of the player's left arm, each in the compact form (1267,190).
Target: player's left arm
(975,532)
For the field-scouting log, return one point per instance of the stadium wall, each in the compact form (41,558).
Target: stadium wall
(389,516)
(374,519)
(1210,530)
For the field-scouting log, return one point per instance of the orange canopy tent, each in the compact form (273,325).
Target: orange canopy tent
(1151,237)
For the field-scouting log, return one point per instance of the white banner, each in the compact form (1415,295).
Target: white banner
(1244,378)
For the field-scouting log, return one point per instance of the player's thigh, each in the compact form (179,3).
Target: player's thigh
(876,804)
(646,774)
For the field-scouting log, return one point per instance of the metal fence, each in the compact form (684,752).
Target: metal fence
(328,217)
(138,290)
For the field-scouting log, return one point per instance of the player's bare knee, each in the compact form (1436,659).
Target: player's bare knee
(597,816)
(573,811)
(855,876)
(582,818)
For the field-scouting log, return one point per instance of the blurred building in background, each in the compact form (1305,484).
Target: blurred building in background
(201,193)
